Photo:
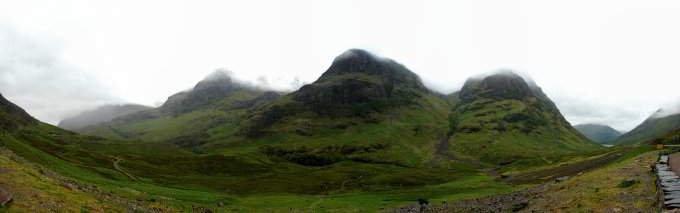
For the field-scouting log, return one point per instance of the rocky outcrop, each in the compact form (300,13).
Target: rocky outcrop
(505,85)
(355,85)
(214,87)
(360,61)
(358,83)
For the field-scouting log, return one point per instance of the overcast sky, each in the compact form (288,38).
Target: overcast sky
(613,62)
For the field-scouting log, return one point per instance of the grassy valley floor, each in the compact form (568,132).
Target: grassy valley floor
(36,189)
(27,187)
(605,190)
(626,184)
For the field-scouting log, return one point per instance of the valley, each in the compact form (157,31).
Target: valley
(366,136)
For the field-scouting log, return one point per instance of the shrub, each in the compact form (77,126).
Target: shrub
(423,201)
(627,183)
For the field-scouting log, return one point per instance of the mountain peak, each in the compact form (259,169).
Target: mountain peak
(355,53)
(218,78)
(216,85)
(655,126)
(362,61)
(381,78)
(219,74)
(666,111)
(501,85)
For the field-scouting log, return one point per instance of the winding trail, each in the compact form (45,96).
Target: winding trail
(116,165)
(566,169)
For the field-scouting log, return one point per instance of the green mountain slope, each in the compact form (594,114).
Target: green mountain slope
(361,102)
(214,107)
(50,169)
(597,132)
(374,108)
(160,176)
(362,109)
(501,119)
(652,128)
(13,116)
(100,115)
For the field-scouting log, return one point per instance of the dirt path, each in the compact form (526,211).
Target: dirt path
(116,165)
(571,169)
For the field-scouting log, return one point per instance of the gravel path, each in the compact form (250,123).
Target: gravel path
(674,162)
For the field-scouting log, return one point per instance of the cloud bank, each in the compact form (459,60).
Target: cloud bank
(33,76)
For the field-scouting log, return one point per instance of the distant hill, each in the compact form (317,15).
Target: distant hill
(215,107)
(502,118)
(597,132)
(652,128)
(100,115)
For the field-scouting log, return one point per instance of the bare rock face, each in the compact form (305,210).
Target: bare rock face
(361,61)
(506,85)
(357,83)
(215,86)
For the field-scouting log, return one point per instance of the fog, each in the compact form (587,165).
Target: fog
(612,62)
(33,76)
(668,109)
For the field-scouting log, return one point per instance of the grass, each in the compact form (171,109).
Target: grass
(388,186)
(635,151)
(30,189)
(237,181)
(355,201)
(602,190)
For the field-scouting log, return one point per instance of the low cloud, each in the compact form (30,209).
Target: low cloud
(579,110)
(33,76)
(668,109)
(281,84)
